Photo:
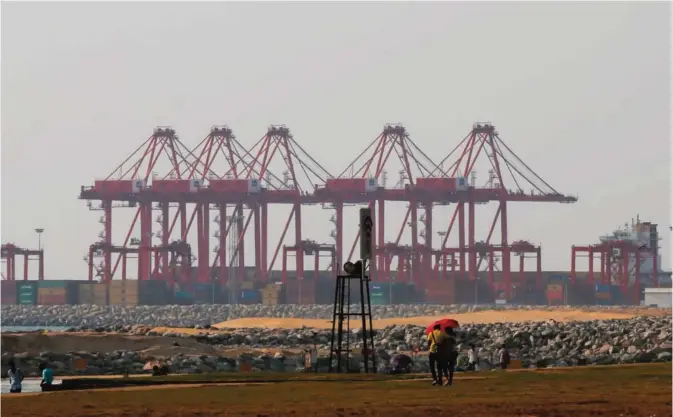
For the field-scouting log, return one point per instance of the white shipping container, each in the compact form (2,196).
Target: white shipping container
(661,297)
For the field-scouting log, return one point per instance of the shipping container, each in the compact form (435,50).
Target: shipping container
(243,285)
(52,283)
(8,292)
(580,294)
(51,296)
(27,292)
(301,291)
(439,297)
(176,185)
(51,291)
(153,292)
(120,186)
(249,297)
(204,293)
(324,291)
(123,287)
(123,299)
(92,293)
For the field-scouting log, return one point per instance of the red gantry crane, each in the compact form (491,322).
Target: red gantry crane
(501,162)
(278,151)
(128,186)
(9,253)
(364,181)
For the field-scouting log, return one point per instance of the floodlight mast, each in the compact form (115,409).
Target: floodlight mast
(342,299)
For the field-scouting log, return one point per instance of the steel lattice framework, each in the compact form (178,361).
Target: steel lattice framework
(221,174)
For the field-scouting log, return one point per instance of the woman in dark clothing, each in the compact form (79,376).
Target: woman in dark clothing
(450,355)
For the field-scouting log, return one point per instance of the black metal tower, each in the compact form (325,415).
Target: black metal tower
(341,321)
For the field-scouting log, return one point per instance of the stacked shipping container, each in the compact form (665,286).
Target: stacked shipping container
(301,291)
(8,292)
(27,293)
(93,294)
(153,292)
(123,293)
(440,292)
(272,294)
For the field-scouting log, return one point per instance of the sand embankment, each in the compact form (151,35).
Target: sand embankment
(480,317)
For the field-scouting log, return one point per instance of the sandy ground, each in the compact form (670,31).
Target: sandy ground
(477,317)
(34,343)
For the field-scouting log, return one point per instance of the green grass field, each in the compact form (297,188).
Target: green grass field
(630,390)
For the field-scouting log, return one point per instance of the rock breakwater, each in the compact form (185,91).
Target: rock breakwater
(92,316)
(536,344)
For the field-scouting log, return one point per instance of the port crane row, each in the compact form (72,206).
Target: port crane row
(219,174)
(240,184)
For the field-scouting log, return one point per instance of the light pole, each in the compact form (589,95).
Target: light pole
(39,232)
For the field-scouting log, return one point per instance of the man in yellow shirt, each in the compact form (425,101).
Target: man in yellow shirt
(435,339)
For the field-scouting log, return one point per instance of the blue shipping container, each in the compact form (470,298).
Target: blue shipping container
(603,288)
(249,294)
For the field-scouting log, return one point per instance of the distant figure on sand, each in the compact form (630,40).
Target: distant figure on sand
(47,375)
(472,360)
(15,377)
(504,357)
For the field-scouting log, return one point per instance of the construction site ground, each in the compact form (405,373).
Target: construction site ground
(625,390)
(155,346)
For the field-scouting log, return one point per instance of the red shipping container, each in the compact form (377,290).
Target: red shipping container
(8,288)
(439,297)
(554,295)
(229,186)
(52,299)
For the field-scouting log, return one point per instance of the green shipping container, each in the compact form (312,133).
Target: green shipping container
(378,298)
(27,293)
(53,283)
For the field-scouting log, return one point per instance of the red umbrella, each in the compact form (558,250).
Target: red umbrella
(443,324)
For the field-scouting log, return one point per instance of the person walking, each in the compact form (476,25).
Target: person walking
(435,339)
(15,375)
(472,360)
(449,356)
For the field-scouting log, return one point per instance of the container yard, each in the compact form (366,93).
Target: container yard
(234,202)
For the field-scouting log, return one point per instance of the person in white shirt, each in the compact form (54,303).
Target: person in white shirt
(472,359)
(15,378)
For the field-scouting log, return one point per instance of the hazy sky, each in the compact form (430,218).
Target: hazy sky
(580,91)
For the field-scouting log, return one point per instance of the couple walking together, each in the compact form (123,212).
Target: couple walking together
(442,354)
